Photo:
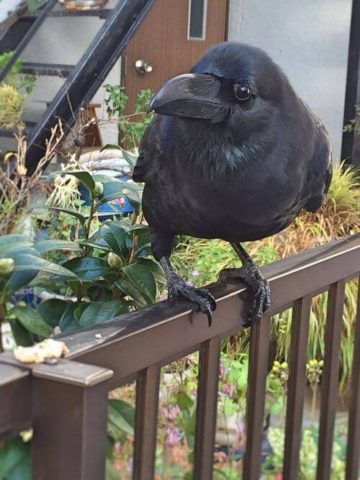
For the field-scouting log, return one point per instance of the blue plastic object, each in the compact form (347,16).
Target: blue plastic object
(118,206)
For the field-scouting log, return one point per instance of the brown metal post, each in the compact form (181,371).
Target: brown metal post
(258,356)
(353,444)
(209,362)
(70,417)
(330,381)
(147,400)
(296,388)
(15,399)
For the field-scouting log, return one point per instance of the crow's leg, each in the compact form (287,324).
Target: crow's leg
(178,287)
(250,274)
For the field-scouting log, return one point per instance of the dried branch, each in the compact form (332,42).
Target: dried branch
(15,185)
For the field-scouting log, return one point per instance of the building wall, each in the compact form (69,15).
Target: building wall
(309,39)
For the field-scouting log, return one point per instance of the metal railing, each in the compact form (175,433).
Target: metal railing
(66,403)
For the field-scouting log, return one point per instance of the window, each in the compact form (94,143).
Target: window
(197,19)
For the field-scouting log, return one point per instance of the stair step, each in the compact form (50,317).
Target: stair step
(50,69)
(101,13)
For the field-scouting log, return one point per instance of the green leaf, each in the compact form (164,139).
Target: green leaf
(15,460)
(68,322)
(118,188)
(88,268)
(99,245)
(130,157)
(110,146)
(278,406)
(140,236)
(26,262)
(84,177)
(32,321)
(52,311)
(155,269)
(229,407)
(131,291)
(22,336)
(8,250)
(139,283)
(75,214)
(121,418)
(19,280)
(12,239)
(43,246)
(115,236)
(100,312)
(184,401)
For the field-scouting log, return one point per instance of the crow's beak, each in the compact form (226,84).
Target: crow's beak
(192,95)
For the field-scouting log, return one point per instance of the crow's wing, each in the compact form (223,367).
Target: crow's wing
(320,171)
(150,151)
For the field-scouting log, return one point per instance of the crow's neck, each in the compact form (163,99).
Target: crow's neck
(215,152)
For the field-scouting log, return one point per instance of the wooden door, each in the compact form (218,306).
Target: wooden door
(172,38)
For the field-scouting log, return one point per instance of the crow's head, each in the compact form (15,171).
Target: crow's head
(232,83)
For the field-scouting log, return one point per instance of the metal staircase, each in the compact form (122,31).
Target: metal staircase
(84,78)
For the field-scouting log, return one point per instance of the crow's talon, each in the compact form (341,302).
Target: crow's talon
(261,303)
(252,276)
(200,296)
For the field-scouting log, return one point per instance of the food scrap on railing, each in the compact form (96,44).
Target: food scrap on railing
(48,350)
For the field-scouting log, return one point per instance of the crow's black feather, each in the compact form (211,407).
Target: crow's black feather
(242,176)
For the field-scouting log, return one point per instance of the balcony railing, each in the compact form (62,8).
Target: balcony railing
(66,403)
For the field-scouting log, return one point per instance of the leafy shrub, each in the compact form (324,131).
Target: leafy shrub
(104,273)
(132,126)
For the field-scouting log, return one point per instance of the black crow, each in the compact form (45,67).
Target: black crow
(234,154)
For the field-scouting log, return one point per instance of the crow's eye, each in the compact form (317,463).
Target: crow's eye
(242,91)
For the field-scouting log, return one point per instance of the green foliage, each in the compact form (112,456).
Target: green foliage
(121,420)
(132,127)
(11,107)
(12,96)
(308,453)
(24,83)
(15,460)
(354,124)
(106,272)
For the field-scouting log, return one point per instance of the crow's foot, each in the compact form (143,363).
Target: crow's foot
(200,296)
(251,275)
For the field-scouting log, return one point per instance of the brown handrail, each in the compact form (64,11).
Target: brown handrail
(135,346)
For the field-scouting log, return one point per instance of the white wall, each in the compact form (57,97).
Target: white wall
(309,40)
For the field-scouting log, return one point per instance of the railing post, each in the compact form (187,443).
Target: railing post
(330,380)
(15,399)
(147,401)
(70,416)
(296,386)
(353,444)
(209,363)
(255,405)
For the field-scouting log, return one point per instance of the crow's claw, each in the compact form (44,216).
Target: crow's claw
(260,298)
(200,296)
